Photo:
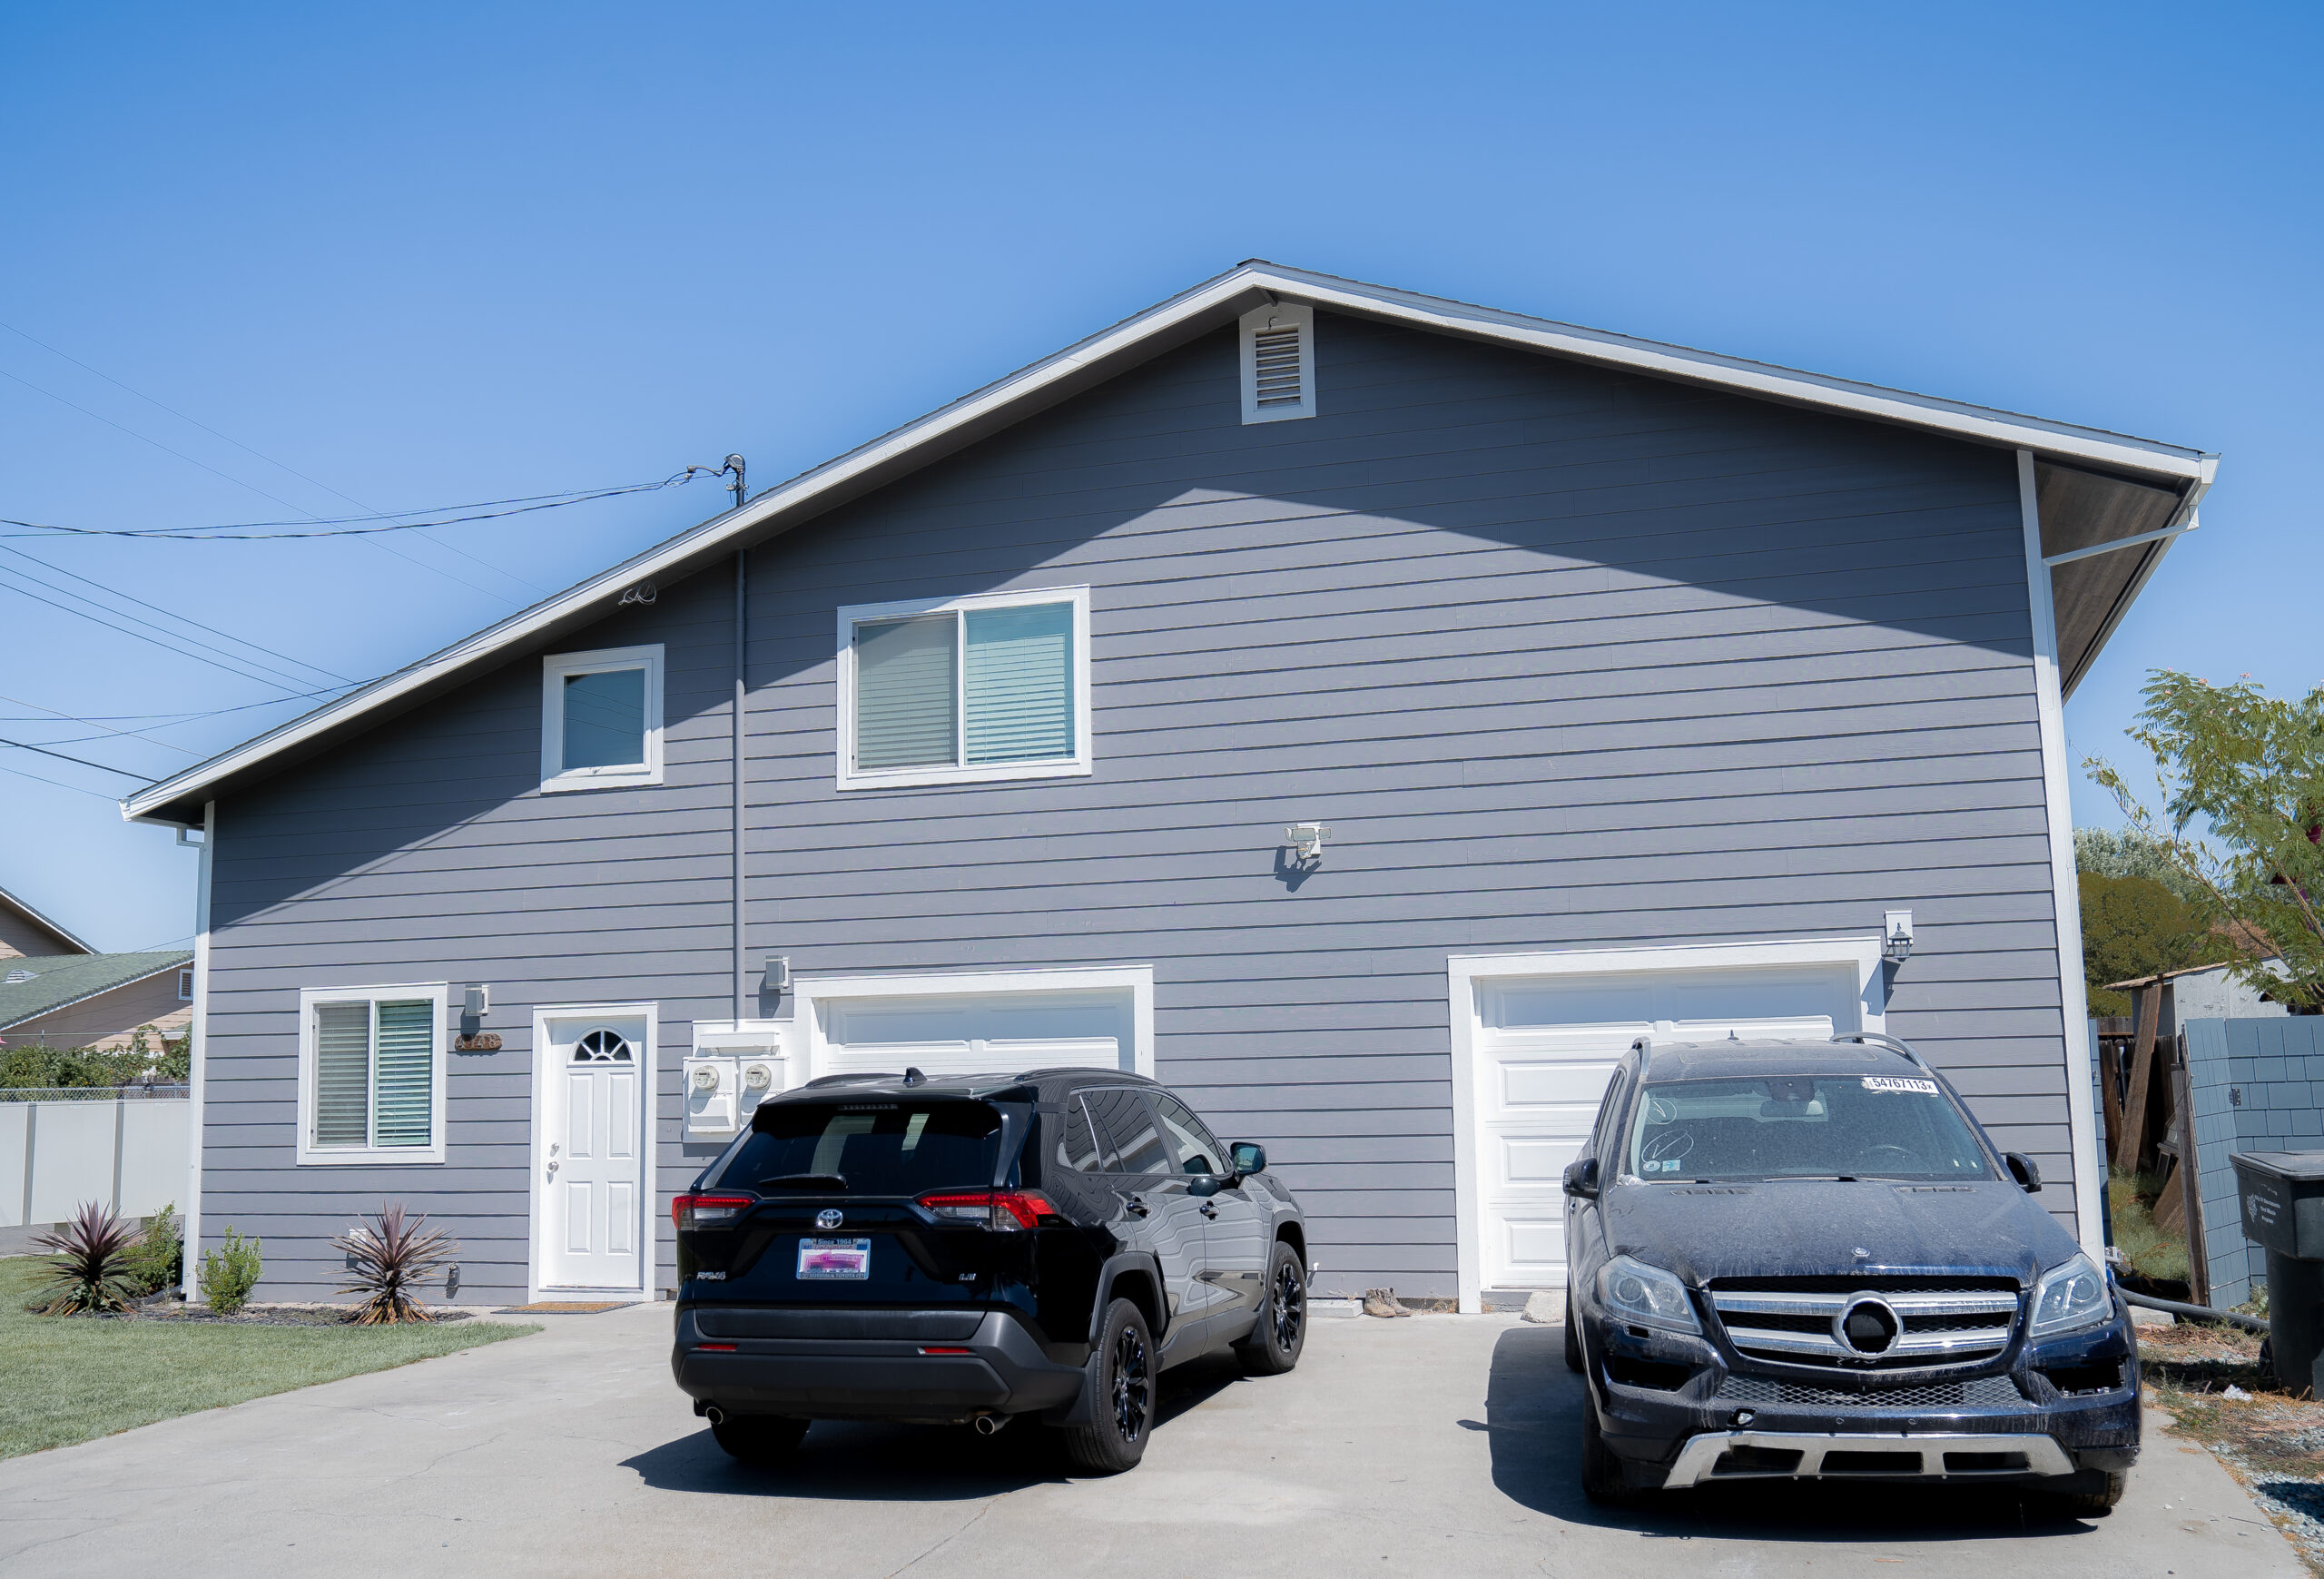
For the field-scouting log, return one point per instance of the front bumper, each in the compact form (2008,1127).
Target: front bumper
(998,1367)
(2005,1421)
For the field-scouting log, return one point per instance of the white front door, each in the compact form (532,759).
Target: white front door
(591,1118)
(1544,1047)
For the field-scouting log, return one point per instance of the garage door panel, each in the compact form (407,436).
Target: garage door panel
(977,1033)
(1533,1244)
(1535,1161)
(1539,1083)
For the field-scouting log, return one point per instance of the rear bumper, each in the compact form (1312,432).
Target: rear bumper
(1003,1371)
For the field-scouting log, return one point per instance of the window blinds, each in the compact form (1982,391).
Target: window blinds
(406,1065)
(904,691)
(375,1090)
(1020,683)
(342,1074)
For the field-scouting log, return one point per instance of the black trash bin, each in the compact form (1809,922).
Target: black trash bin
(2282,1198)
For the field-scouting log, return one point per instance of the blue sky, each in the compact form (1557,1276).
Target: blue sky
(422,255)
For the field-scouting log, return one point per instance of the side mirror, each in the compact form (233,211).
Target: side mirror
(1199,1185)
(1581,1178)
(2022,1168)
(1249,1157)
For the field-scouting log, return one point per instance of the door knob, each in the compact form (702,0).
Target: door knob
(552,1168)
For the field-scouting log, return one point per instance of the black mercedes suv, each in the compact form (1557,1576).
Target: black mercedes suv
(974,1248)
(1807,1259)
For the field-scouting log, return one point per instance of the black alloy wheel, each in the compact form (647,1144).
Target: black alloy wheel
(1281,1328)
(1119,1387)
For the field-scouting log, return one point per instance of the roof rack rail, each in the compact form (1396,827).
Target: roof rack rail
(1875,1039)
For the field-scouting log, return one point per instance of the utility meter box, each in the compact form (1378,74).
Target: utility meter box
(731,1071)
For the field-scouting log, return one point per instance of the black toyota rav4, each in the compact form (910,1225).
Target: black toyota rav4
(1806,1260)
(971,1249)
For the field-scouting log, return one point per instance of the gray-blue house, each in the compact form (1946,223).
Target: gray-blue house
(1365,712)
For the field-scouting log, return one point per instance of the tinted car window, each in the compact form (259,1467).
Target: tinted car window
(1076,1142)
(1604,1139)
(1198,1150)
(1132,1139)
(1854,1126)
(877,1149)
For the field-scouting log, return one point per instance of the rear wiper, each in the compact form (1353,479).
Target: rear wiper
(825,1183)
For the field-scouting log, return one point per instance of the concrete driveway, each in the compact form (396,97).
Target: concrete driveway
(1434,1445)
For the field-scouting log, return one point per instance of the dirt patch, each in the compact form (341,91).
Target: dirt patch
(2208,1379)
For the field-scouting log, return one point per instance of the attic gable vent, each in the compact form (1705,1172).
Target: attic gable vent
(1278,362)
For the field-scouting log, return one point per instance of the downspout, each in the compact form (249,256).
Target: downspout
(198,1054)
(741,654)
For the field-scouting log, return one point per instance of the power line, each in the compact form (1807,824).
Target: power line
(232,532)
(60,784)
(238,444)
(170,614)
(239,482)
(82,761)
(189,716)
(126,733)
(147,637)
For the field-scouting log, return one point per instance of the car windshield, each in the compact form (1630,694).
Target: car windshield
(1809,1127)
(873,1148)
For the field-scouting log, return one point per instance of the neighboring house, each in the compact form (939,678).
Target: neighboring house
(1635,685)
(23,931)
(94,1000)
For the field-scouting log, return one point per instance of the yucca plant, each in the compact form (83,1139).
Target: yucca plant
(89,1269)
(385,1262)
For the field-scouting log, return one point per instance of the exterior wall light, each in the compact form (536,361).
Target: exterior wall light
(1896,937)
(1306,840)
(777,975)
(476,1002)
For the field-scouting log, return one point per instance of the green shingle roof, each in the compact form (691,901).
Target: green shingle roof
(31,987)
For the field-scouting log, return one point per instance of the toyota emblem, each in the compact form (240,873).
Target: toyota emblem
(829,1218)
(1867,1326)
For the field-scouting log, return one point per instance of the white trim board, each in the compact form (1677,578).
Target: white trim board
(1465,972)
(1138,981)
(2066,891)
(198,1060)
(1220,299)
(649,1113)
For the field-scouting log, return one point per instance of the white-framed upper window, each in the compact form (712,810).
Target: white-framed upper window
(601,719)
(371,1074)
(1278,353)
(964,690)
(185,984)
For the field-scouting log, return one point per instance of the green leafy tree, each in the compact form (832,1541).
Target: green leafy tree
(2133,927)
(2240,777)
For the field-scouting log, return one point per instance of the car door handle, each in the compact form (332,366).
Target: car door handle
(1208,1211)
(1137,1206)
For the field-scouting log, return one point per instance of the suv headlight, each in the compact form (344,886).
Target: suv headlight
(2072,1295)
(1634,1291)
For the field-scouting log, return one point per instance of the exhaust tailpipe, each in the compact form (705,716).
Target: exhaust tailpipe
(715,1414)
(990,1425)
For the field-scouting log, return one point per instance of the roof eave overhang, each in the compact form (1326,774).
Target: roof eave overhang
(179,964)
(178,801)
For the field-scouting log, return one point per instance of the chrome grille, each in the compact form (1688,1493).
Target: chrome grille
(1978,1393)
(1938,1326)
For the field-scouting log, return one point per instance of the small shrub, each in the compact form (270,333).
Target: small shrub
(158,1260)
(387,1262)
(230,1272)
(89,1269)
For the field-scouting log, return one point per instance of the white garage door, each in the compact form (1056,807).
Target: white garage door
(1544,1047)
(976,1033)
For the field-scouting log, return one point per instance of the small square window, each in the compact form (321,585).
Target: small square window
(185,986)
(965,690)
(601,719)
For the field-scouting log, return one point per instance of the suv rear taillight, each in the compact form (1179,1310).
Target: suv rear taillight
(708,1211)
(1006,1212)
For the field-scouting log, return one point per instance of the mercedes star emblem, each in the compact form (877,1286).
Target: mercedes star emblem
(1866,1326)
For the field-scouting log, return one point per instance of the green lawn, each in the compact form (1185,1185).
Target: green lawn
(65,1379)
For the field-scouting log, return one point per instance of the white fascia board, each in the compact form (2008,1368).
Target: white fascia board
(1954,418)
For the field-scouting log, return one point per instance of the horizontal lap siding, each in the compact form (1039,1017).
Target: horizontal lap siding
(1565,658)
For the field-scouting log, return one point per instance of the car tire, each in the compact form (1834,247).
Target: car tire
(1121,1380)
(761,1439)
(2093,1493)
(1602,1471)
(1275,1343)
(1573,1337)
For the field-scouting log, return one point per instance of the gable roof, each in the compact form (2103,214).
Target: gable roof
(43,922)
(2114,486)
(60,980)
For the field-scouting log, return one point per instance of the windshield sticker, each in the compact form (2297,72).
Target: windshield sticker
(1888,1083)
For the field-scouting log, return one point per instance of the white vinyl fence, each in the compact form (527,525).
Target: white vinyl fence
(126,1152)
